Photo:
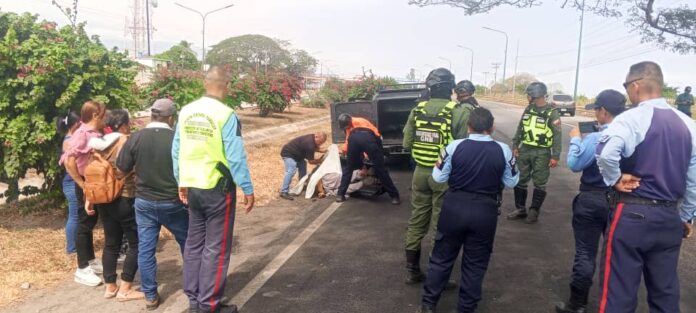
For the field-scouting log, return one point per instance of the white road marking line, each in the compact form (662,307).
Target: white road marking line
(241,298)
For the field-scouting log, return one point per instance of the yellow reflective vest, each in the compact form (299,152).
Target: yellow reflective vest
(536,129)
(433,133)
(201,147)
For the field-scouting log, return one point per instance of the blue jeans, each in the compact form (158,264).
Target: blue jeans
(290,167)
(73,207)
(150,217)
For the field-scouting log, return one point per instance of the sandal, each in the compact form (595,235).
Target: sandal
(130,295)
(110,294)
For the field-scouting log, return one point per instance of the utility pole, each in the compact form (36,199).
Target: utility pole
(203,17)
(495,73)
(577,66)
(485,80)
(147,18)
(471,69)
(506,47)
(514,77)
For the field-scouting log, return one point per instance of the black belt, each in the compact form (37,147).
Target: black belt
(620,197)
(584,187)
(362,130)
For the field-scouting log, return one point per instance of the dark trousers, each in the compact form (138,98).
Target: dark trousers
(641,240)
(208,245)
(364,142)
(467,222)
(118,218)
(85,231)
(590,214)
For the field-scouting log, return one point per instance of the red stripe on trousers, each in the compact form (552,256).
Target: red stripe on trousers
(221,265)
(607,260)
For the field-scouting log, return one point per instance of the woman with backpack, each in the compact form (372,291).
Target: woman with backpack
(76,158)
(118,216)
(66,126)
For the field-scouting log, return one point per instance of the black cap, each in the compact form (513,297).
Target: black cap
(611,100)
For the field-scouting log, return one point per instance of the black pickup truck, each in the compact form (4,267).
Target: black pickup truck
(388,110)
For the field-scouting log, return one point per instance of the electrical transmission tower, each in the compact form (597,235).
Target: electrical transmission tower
(139,27)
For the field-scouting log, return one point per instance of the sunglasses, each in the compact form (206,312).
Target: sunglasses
(628,83)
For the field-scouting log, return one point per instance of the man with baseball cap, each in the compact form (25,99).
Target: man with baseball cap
(157,201)
(590,206)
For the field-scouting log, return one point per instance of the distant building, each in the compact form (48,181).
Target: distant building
(146,68)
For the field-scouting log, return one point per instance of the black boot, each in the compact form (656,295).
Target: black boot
(537,200)
(414,274)
(520,211)
(426,309)
(577,302)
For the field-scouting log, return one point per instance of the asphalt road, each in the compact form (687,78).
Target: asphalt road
(354,261)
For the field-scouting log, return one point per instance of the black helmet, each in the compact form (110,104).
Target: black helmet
(687,89)
(344,120)
(536,90)
(440,76)
(465,86)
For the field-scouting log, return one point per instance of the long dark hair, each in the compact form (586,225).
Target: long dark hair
(65,122)
(117,118)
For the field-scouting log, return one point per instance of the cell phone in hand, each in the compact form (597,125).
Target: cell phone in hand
(588,127)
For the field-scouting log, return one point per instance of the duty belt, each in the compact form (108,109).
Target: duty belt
(362,130)
(620,197)
(493,196)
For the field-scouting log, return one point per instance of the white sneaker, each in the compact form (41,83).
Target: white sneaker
(86,276)
(96,266)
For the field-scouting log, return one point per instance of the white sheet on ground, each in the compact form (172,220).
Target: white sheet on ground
(331,164)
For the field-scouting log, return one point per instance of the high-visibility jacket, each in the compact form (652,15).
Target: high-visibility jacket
(536,129)
(201,146)
(359,122)
(433,133)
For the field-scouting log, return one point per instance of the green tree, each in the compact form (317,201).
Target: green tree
(251,53)
(302,63)
(44,72)
(670,92)
(180,56)
(671,28)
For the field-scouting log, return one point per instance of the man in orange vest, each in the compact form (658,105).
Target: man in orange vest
(363,138)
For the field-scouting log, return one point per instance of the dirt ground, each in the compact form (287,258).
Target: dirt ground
(32,247)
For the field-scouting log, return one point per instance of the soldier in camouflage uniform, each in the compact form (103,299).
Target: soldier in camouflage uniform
(537,146)
(430,127)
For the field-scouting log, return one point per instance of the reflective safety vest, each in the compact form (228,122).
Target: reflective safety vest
(433,133)
(201,148)
(537,131)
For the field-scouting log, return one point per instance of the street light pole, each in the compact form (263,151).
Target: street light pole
(446,59)
(506,48)
(471,70)
(577,66)
(203,17)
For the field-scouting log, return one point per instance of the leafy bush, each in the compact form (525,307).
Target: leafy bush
(44,72)
(182,86)
(313,101)
(274,92)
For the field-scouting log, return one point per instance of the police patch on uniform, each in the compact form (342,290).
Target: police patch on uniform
(443,156)
(604,139)
(513,165)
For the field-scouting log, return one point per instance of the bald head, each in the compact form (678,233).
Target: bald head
(216,80)
(648,75)
(320,138)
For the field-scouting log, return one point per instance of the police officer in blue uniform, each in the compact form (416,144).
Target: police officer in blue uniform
(648,154)
(476,168)
(590,206)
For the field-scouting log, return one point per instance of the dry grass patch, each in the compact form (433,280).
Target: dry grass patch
(252,121)
(32,250)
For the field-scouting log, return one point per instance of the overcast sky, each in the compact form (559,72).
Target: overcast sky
(390,36)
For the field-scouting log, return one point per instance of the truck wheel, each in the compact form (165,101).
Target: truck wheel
(572,113)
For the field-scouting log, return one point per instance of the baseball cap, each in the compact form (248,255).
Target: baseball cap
(163,107)
(611,100)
